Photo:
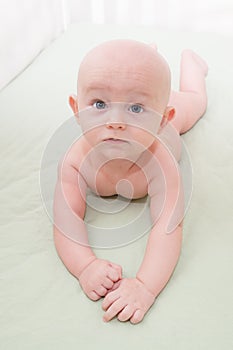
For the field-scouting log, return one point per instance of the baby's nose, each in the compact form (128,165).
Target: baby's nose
(116,121)
(115,125)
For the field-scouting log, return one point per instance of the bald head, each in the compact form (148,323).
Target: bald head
(124,66)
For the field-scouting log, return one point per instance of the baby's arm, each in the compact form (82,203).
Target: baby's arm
(164,243)
(133,298)
(96,276)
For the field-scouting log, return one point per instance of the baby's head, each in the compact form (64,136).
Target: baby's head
(124,87)
(123,71)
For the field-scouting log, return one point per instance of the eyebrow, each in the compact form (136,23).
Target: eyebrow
(97,87)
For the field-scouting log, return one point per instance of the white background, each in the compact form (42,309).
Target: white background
(193,15)
(28,26)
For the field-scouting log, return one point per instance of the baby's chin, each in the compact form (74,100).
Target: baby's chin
(124,150)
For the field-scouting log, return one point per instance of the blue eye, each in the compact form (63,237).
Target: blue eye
(99,104)
(136,109)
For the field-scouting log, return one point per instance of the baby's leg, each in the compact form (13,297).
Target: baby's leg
(190,102)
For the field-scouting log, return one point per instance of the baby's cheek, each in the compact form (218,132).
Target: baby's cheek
(91,135)
(144,138)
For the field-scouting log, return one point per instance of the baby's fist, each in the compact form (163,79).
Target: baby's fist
(99,277)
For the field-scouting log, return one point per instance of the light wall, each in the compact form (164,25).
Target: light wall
(28,26)
(194,15)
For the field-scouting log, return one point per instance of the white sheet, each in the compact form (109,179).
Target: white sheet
(42,306)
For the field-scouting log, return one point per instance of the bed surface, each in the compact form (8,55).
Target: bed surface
(42,305)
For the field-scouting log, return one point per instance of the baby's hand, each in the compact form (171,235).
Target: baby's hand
(99,277)
(130,301)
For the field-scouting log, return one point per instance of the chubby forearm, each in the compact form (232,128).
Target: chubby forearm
(165,239)
(76,257)
(70,233)
(96,276)
(161,256)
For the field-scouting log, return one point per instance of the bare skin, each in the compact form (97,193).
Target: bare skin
(135,75)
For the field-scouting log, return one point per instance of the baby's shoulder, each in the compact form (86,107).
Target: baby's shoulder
(76,153)
(170,139)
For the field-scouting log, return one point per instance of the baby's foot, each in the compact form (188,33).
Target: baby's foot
(191,57)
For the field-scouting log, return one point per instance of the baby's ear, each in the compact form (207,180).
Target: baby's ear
(73,103)
(169,113)
(167,117)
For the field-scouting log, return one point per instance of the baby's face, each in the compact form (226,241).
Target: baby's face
(124,87)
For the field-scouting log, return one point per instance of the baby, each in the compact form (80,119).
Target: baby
(124,86)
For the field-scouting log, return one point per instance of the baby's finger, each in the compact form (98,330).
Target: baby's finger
(101,290)
(93,295)
(114,309)
(113,274)
(126,313)
(137,316)
(108,283)
(109,299)
(118,268)
(115,286)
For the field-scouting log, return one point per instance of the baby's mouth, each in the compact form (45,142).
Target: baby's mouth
(114,140)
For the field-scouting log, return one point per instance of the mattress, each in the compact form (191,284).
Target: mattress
(42,305)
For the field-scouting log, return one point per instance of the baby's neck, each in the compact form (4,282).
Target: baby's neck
(118,167)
